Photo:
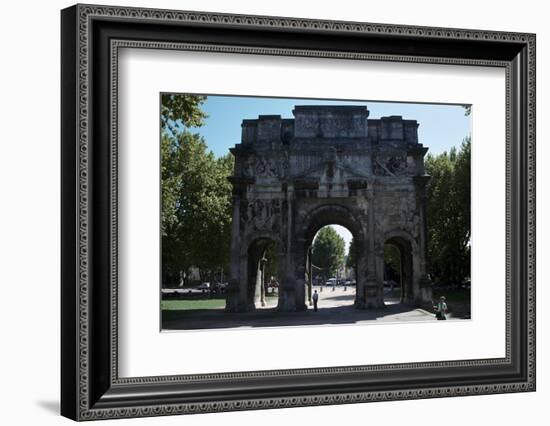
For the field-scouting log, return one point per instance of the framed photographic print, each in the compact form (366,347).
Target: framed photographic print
(263,212)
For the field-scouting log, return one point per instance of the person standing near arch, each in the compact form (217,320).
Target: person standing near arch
(315,299)
(441,309)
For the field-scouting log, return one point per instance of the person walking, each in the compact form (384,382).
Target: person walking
(315,298)
(441,309)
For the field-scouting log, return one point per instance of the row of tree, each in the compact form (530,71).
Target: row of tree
(196,195)
(448,214)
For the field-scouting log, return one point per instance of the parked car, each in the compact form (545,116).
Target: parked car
(273,284)
(331,282)
(204,287)
(168,293)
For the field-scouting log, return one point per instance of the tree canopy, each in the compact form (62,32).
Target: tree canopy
(448,214)
(180,111)
(196,195)
(328,251)
(351,258)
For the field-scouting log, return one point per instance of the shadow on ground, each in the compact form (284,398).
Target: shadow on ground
(327,296)
(270,317)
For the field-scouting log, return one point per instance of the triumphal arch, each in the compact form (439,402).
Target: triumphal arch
(327,165)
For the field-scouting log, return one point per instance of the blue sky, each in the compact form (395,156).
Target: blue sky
(441,126)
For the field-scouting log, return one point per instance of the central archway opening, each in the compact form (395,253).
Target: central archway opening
(331,268)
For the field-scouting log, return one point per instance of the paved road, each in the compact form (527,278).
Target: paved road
(335,307)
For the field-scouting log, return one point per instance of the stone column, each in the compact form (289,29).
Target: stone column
(299,266)
(361,271)
(286,299)
(258,285)
(376,295)
(287,286)
(287,291)
(234,302)
(262,285)
(374,285)
(309,276)
(246,300)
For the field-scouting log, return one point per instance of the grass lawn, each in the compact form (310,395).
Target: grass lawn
(185,305)
(173,309)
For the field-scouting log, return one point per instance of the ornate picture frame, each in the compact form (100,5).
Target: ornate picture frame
(90,384)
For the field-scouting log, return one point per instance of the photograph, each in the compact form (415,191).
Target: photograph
(281,212)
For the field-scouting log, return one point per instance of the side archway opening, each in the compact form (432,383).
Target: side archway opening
(262,274)
(398,271)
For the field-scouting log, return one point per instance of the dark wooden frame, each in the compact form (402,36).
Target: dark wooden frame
(90,386)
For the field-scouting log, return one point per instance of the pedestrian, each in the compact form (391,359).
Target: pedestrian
(441,309)
(315,298)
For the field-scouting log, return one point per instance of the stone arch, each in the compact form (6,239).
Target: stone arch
(259,235)
(328,164)
(331,213)
(328,214)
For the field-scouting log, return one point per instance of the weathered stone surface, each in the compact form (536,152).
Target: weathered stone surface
(328,165)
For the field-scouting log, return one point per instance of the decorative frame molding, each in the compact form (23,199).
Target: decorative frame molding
(91,37)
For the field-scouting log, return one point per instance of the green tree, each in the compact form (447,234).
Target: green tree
(448,214)
(328,251)
(208,217)
(196,205)
(351,258)
(178,112)
(195,193)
